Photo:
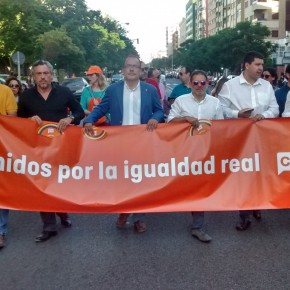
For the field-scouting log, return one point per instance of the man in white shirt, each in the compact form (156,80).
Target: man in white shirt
(249,96)
(190,108)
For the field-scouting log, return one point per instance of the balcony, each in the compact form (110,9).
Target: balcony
(264,5)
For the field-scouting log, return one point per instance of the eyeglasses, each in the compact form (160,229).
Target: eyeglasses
(265,76)
(14,86)
(133,66)
(196,83)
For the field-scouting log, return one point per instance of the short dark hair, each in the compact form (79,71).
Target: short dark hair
(287,70)
(187,69)
(198,72)
(250,57)
(273,74)
(150,72)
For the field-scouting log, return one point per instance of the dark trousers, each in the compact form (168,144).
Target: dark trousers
(49,220)
(245,214)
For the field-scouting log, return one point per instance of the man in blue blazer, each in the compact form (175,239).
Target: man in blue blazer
(129,102)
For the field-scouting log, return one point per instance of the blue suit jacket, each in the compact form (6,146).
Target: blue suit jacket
(112,103)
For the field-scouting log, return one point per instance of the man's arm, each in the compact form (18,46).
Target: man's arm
(273,109)
(175,115)
(224,98)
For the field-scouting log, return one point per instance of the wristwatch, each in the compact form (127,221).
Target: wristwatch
(71,116)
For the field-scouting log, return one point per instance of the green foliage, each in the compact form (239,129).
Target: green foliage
(64,32)
(225,49)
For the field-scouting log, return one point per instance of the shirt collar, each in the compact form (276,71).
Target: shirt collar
(134,89)
(244,81)
(197,101)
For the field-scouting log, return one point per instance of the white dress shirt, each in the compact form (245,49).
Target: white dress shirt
(188,105)
(237,94)
(132,105)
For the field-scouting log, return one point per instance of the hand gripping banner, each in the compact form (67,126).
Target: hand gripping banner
(223,165)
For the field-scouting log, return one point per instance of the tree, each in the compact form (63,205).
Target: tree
(59,48)
(226,49)
(63,31)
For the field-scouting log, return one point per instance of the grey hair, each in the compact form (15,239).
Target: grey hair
(43,62)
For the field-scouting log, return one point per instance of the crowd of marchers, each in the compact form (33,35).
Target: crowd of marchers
(141,98)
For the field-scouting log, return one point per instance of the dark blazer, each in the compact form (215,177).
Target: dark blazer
(112,103)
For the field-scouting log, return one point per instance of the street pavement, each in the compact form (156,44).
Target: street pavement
(94,254)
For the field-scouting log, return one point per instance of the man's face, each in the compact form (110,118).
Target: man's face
(254,70)
(156,74)
(93,78)
(131,69)
(184,77)
(144,72)
(42,76)
(198,85)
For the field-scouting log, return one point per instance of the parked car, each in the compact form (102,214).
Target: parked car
(4,76)
(76,85)
(116,78)
(2,81)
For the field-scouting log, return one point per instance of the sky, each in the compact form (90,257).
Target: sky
(147,20)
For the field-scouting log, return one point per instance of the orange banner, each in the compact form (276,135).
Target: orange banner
(224,165)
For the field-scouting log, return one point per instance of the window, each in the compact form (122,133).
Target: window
(275,33)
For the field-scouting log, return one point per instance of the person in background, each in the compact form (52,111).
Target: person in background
(93,94)
(96,89)
(47,102)
(15,85)
(129,102)
(152,79)
(144,72)
(215,91)
(164,96)
(282,80)
(249,96)
(190,108)
(8,107)
(281,94)
(184,87)
(269,74)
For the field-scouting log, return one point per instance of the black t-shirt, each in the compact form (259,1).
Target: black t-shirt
(58,105)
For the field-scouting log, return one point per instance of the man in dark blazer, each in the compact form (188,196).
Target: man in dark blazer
(129,102)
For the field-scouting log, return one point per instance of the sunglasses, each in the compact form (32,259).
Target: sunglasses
(265,76)
(196,83)
(14,86)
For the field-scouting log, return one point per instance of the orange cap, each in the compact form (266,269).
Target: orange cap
(94,69)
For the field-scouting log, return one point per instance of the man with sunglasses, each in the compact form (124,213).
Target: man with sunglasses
(184,87)
(190,108)
(249,96)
